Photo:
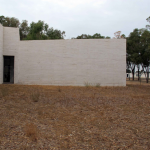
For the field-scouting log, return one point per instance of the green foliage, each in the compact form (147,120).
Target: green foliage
(98,85)
(145,53)
(41,31)
(2,19)
(107,37)
(9,22)
(94,36)
(134,47)
(128,71)
(148,20)
(24,29)
(87,84)
(138,49)
(36,31)
(55,34)
(123,36)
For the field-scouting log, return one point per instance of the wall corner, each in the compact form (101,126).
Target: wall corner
(1,54)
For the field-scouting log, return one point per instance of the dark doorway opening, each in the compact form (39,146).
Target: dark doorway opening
(8,76)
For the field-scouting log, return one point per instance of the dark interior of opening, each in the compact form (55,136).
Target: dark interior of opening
(8,76)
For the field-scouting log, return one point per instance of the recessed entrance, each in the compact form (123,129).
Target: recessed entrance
(8,76)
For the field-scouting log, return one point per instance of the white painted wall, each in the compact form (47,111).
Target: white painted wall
(73,62)
(11,47)
(1,54)
(67,62)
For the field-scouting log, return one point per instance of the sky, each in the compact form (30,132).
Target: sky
(77,17)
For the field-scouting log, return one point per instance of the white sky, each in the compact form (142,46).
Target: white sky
(77,17)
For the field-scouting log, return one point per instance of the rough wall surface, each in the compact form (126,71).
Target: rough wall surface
(1,54)
(73,62)
(11,47)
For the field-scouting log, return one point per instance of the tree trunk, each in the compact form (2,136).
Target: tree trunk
(147,76)
(133,74)
(138,74)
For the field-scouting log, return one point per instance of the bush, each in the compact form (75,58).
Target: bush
(87,84)
(98,85)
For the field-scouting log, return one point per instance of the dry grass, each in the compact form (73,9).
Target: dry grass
(35,95)
(4,91)
(31,131)
(75,117)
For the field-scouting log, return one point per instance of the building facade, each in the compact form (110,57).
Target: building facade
(73,62)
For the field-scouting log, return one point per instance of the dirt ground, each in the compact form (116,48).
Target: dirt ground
(52,117)
(142,81)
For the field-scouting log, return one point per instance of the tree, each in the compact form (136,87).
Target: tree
(128,71)
(55,34)
(11,22)
(2,19)
(138,51)
(94,36)
(98,36)
(145,53)
(107,37)
(36,31)
(118,35)
(134,47)
(24,29)
(148,20)
(41,31)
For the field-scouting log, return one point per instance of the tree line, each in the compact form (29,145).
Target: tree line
(94,36)
(40,30)
(138,51)
(35,31)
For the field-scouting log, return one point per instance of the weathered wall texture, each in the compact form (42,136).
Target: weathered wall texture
(11,42)
(1,54)
(67,62)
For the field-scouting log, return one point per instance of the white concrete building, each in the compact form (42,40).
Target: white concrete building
(61,62)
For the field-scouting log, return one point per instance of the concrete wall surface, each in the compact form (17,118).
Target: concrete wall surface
(11,42)
(1,54)
(75,62)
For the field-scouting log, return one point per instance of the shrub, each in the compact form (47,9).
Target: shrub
(98,85)
(87,84)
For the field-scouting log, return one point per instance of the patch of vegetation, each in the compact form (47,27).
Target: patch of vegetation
(98,85)
(87,84)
